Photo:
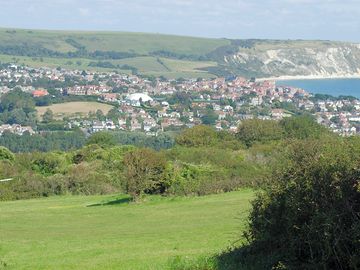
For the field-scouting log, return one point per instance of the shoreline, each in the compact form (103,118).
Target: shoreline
(308,77)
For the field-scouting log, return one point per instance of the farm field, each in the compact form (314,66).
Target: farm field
(147,65)
(74,108)
(106,232)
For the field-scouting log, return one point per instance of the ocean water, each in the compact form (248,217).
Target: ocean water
(334,87)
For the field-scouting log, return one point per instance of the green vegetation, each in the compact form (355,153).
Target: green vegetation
(149,54)
(166,55)
(106,232)
(305,214)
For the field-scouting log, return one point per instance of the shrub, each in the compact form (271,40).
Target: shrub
(255,130)
(49,163)
(144,172)
(103,139)
(197,136)
(6,154)
(308,218)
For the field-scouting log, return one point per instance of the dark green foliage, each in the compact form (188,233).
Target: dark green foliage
(252,131)
(302,127)
(139,139)
(308,215)
(17,107)
(5,154)
(209,118)
(102,139)
(144,172)
(197,136)
(46,142)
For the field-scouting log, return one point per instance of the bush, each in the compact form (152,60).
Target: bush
(308,217)
(6,154)
(197,136)
(255,130)
(144,172)
(103,139)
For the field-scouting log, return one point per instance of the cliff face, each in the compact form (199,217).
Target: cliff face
(295,58)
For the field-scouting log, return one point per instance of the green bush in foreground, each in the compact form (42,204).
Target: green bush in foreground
(309,216)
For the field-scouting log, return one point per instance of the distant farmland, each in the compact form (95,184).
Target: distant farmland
(74,108)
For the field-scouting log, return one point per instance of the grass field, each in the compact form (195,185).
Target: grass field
(74,108)
(141,43)
(106,232)
(147,65)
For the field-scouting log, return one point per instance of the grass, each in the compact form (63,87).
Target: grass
(74,108)
(141,43)
(106,232)
(146,65)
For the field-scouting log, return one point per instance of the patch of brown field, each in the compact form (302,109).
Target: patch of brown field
(74,108)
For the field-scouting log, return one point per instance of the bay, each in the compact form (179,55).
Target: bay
(334,87)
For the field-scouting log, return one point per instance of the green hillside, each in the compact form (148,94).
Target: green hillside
(105,232)
(177,56)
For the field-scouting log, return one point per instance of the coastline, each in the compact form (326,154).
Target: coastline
(309,77)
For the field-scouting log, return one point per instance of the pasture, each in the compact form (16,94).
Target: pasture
(107,232)
(74,109)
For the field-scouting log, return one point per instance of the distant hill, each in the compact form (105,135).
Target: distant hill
(177,56)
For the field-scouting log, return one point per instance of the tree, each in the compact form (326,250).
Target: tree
(197,136)
(209,118)
(103,139)
(144,172)
(48,116)
(255,130)
(302,127)
(100,115)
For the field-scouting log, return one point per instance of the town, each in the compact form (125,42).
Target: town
(152,105)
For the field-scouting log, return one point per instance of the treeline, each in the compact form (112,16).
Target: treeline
(60,139)
(46,142)
(39,51)
(203,161)
(108,64)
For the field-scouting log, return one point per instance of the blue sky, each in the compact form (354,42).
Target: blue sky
(278,19)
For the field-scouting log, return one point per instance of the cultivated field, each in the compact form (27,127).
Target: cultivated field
(106,232)
(74,108)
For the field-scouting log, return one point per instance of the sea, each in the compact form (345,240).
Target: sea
(334,87)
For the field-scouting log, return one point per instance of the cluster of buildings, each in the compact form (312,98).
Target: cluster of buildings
(153,104)
(16,129)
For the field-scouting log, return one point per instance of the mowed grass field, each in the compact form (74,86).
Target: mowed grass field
(107,232)
(74,108)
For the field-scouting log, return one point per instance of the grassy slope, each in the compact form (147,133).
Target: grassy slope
(63,233)
(140,43)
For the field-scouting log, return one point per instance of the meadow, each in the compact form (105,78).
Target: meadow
(108,232)
(142,45)
(74,108)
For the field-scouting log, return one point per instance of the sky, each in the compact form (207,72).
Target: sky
(275,19)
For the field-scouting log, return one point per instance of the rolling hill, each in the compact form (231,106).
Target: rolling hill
(178,56)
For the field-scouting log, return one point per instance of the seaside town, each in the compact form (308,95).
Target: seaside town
(152,105)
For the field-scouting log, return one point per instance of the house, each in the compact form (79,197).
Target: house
(109,97)
(277,114)
(40,93)
(98,126)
